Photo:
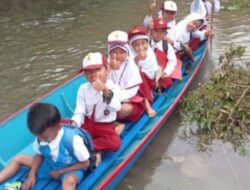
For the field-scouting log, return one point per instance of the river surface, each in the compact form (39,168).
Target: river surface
(42,44)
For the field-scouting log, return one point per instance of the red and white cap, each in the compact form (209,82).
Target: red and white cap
(169,6)
(159,23)
(93,61)
(118,39)
(136,33)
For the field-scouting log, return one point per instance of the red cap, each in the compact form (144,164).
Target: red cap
(136,33)
(160,24)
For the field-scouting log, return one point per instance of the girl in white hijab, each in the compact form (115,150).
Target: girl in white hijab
(188,28)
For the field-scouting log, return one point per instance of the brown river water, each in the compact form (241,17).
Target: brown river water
(42,44)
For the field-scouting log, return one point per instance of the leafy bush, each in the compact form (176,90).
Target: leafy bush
(221,108)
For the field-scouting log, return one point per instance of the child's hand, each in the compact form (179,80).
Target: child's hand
(151,7)
(56,174)
(98,85)
(209,33)
(30,182)
(140,56)
(114,64)
(169,40)
(164,75)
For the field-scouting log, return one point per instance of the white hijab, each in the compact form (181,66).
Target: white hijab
(182,35)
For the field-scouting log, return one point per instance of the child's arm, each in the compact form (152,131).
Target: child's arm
(80,110)
(31,180)
(172,61)
(150,13)
(82,155)
(78,166)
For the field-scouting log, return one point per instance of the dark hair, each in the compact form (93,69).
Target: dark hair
(42,116)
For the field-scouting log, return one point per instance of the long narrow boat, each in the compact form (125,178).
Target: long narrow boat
(16,139)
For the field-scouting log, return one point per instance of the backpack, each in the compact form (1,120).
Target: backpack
(164,45)
(70,133)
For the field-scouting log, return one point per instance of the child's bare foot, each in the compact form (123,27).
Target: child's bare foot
(119,128)
(98,158)
(151,112)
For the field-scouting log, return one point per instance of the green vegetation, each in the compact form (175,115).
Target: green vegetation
(221,108)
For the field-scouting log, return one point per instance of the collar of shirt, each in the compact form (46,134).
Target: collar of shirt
(156,45)
(55,142)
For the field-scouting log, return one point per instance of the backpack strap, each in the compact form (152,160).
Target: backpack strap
(70,132)
(165,46)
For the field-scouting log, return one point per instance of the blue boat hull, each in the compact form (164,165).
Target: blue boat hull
(16,139)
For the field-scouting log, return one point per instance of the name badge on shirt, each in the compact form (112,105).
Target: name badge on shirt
(106,112)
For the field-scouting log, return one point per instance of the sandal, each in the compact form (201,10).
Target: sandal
(13,186)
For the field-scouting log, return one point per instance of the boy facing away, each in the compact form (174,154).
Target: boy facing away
(53,159)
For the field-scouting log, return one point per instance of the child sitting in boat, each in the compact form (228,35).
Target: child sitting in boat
(206,9)
(167,13)
(171,68)
(97,104)
(125,73)
(53,159)
(146,61)
(185,29)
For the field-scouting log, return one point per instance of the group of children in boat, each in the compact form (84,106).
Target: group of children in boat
(119,89)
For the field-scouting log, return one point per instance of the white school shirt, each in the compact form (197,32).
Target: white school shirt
(88,97)
(128,78)
(149,65)
(80,150)
(198,6)
(171,24)
(172,60)
(182,35)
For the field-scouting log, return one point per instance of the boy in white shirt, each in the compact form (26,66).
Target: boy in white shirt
(167,13)
(53,159)
(97,104)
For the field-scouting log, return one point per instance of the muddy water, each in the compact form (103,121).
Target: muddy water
(42,44)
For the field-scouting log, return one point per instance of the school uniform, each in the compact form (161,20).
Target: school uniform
(129,79)
(127,76)
(167,61)
(183,36)
(94,113)
(57,156)
(148,68)
(204,8)
(97,117)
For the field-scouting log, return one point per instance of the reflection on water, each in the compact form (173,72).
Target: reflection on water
(43,43)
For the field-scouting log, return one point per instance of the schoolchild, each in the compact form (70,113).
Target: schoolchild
(53,159)
(205,8)
(125,73)
(168,13)
(171,67)
(97,104)
(188,28)
(146,61)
